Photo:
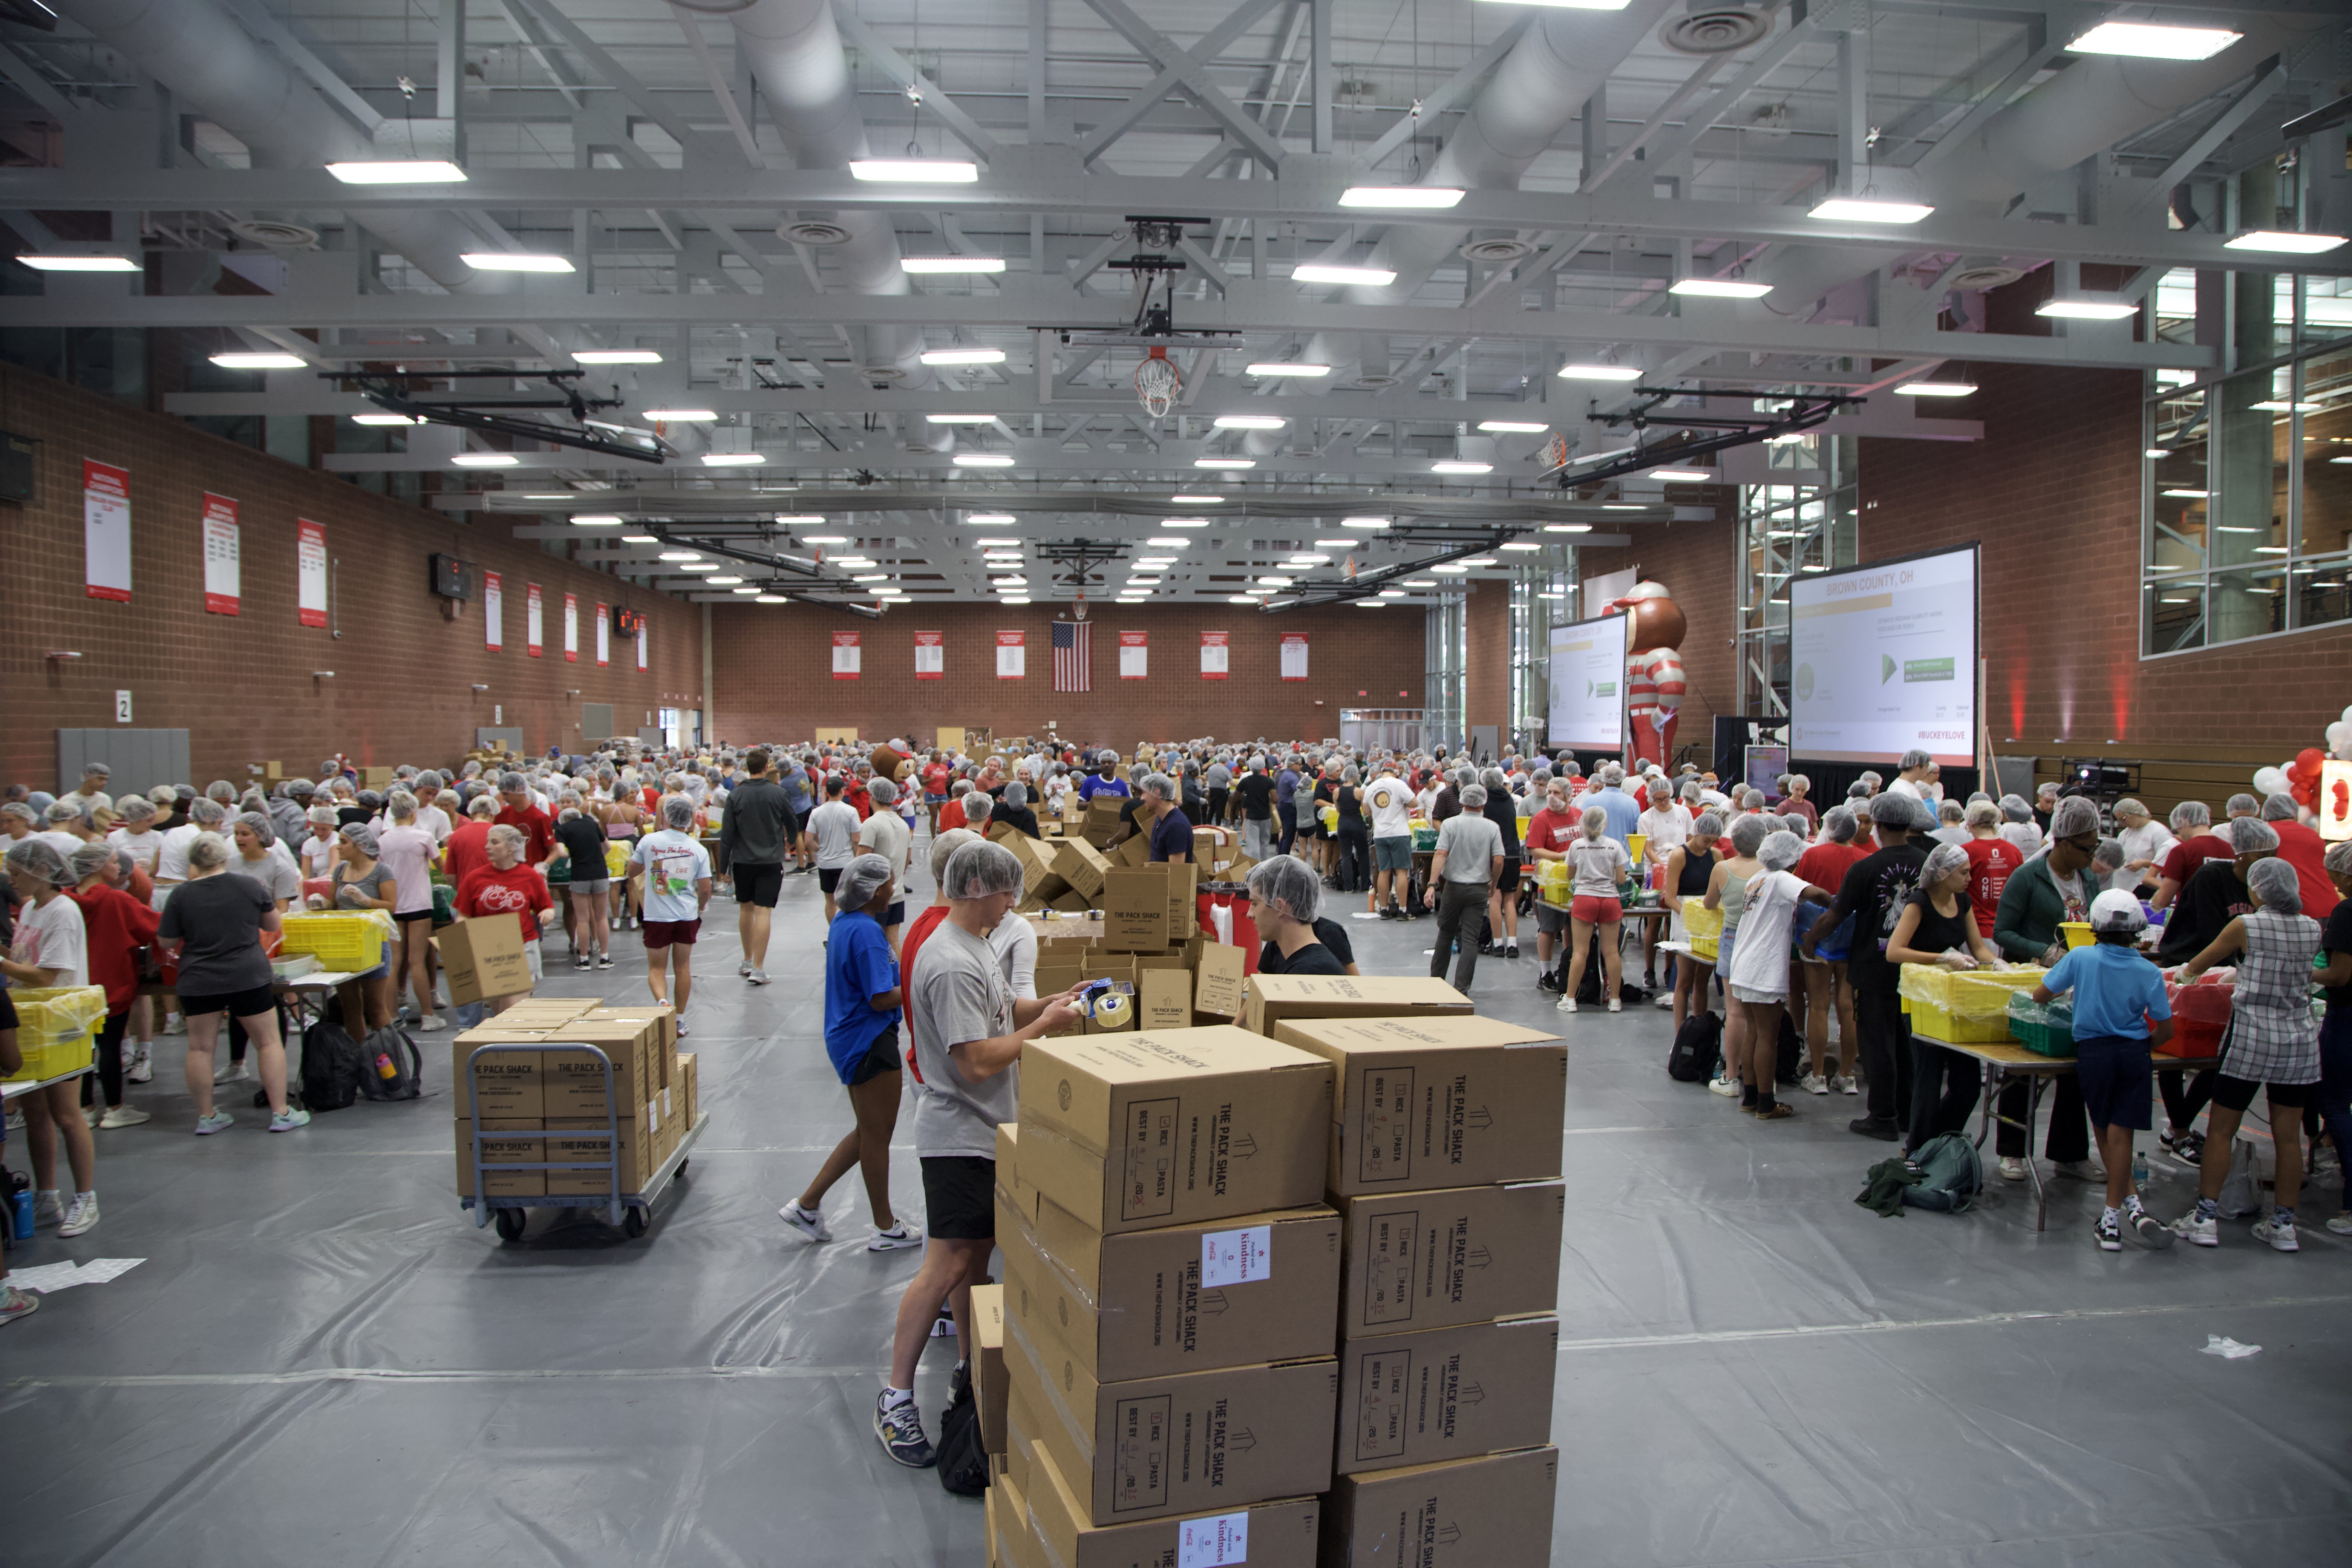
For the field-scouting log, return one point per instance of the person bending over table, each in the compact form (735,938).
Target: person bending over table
(2047,891)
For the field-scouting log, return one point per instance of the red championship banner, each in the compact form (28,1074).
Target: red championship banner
(846,655)
(1294,656)
(930,656)
(310,571)
(532,620)
(572,628)
(1012,655)
(224,556)
(105,531)
(1213,651)
(1134,654)
(603,637)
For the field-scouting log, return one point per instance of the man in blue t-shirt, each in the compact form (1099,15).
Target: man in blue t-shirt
(1172,830)
(1099,782)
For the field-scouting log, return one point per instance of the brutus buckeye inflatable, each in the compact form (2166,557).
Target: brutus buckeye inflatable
(1654,682)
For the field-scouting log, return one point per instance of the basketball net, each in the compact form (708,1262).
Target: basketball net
(1156,383)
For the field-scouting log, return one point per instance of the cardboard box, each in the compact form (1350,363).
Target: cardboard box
(664,1018)
(574,1082)
(1193,1443)
(1135,849)
(507,1083)
(990,1384)
(1082,866)
(545,1012)
(1163,998)
(1183,900)
(1220,990)
(1494,1511)
(497,1151)
(1227,1293)
(1016,1542)
(1283,1535)
(636,1163)
(1271,998)
(483,958)
(689,1074)
(1070,903)
(1435,1101)
(1010,1183)
(1447,1394)
(1171,1126)
(1099,966)
(1135,909)
(1025,1396)
(1461,1255)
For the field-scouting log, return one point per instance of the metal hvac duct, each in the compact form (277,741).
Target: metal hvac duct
(796,56)
(199,51)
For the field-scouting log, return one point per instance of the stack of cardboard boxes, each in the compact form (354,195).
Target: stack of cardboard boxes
(1170,1280)
(655,1091)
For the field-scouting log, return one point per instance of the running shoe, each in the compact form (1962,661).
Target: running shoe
(432,1021)
(17,1304)
(2109,1233)
(1816,1084)
(2198,1230)
(897,1236)
(743,970)
(124,1116)
(2013,1169)
(141,1067)
(1845,1085)
(758,977)
(218,1121)
(289,1120)
(1566,1003)
(2275,1233)
(808,1222)
(1616,1004)
(604,960)
(901,1428)
(1728,1087)
(2341,1225)
(2153,1233)
(2188,1150)
(232,1072)
(48,1208)
(2081,1170)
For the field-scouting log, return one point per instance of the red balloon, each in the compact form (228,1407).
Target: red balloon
(2310,757)
(2306,795)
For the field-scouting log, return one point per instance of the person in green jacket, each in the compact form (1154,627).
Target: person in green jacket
(2048,891)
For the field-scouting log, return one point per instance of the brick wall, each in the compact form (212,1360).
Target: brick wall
(1698,563)
(242,685)
(772,673)
(1486,655)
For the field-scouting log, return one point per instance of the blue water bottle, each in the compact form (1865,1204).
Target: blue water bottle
(20,1213)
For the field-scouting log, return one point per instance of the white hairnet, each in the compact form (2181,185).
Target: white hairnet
(1474,798)
(1942,861)
(1291,884)
(677,812)
(1747,833)
(980,868)
(38,859)
(946,845)
(860,880)
(1782,850)
(2249,837)
(1708,824)
(2278,808)
(2276,884)
(1839,825)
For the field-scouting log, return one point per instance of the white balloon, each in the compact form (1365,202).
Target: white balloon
(2270,781)
(2339,740)
(2348,715)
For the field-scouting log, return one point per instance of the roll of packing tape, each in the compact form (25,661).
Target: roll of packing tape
(1113,1009)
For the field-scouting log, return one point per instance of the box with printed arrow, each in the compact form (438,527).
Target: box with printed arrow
(1458,1254)
(1445,1394)
(1495,1512)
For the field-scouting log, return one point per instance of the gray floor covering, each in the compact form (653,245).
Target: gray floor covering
(322,1360)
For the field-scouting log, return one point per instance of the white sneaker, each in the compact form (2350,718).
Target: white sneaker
(1729,1087)
(1845,1085)
(2013,1169)
(2279,1234)
(289,1120)
(174,1025)
(1816,1084)
(1616,1005)
(124,1116)
(743,970)
(808,1222)
(903,1235)
(1665,1000)
(48,1208)
(232,1072)
(81,1216)
(758,977)
(2081,1170)
(2341,1224)
(142,1066)
(1566,1003)
(2198,1232)
(432,1021)
(89,1115)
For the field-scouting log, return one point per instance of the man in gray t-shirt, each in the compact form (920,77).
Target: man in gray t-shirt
(1469,858)
(968,1030)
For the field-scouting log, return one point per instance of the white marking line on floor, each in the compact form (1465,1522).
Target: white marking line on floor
(802,1374)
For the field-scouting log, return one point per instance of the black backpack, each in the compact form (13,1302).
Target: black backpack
(1791,1067)
(391,1045)
(1697,1049)
(962,1455)
(332,1063)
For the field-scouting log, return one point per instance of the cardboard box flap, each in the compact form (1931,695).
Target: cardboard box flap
(1074,1084)
(1272,997)
(1280,1535)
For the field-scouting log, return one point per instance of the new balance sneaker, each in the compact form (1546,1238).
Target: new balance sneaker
(2013,1169)
(2276,1234)
(580,961)
(289,1120)
(897,1236)
(2188,1149)
(431,1022)
(124,1116)
(2153,1233)
(2110,1233)
(15,1304)
(218,1121)
(1816,1084)
(2197,1231)
(82,1217)
(2341,1225)
(1548,981)
(901,1428)
(808,1222)
(142,1066)
(604,960)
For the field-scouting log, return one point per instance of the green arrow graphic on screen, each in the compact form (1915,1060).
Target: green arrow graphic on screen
(1885,670)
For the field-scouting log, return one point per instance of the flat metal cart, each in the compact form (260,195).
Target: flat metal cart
(632,1212)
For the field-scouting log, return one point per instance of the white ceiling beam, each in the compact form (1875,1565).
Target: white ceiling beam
(1189,68)
(898,68)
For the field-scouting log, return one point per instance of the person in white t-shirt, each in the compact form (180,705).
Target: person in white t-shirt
(52,948)
(886,833)
(676,870)
(833,826)
(204,815)
(317,853)
(1910,781)
(429,815)
(1391,807)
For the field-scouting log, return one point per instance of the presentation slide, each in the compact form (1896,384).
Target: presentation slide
(1883,659)
(1587,684)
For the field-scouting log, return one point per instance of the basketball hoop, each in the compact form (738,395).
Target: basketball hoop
(1156,383)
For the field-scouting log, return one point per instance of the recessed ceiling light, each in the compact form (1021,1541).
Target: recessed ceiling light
(825,538)
(991,519)
(1574,527)
(383,420)
(922,265)
(1392,593)
(2086,310)
(2274,239)
(515,261)
(485,459)
(1249,422)
(1224,462)
(67,263)
(1511,428)
(1195,500)
(1315,272)
(594,520)
(1858,209)
(1721,288)
(1600,373)
(1016,581)
(914,171)
(963,356)
(1936,389)
(259,361)
(1288,367)
(770,599)
(853,563)
(733,459)
(725,581)
(1426,197)
(1142,582)
(983,459)
(1335,544)
(616,356)
(1371,522)
(2150,41)
(1460,466)
(680,415)
(1521,544)
(398,171)
(1680,476)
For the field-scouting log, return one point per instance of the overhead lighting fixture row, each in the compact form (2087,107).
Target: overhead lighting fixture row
(2151,41)
(1419,198)
(963,356)
(1863,209)
(398,171)
(384,419)
(1512,427)
(1316,272)
(265,360)
(1720,288)
(1288,367)
(914,171)
(514,261)
(616,356)
(44,262)
(928,265)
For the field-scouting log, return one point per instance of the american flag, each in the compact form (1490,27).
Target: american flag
(1074,661)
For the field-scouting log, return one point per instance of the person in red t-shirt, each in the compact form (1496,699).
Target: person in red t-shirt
(115,927)
(467,848)
(2304,849)
(507,887)
(2192,823)
(950,817)
(858,796)
(1550,832)
(1992,861)
(1825,865)
(519,813)
(936,776)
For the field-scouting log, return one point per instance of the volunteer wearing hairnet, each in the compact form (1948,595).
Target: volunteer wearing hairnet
(1937,927)
(862,999)
(2053,888)
(2336,1028)
(1285,897)
(1872,894)
(675,870)
(2274,1045)
(1755,980)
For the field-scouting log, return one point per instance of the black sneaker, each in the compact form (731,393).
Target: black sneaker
(1511,949)
(1549,982)
(901,1428)
(1882,1130)
(2188,1149)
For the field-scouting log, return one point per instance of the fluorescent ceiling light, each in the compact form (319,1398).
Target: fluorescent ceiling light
(599,519)
(1622,506)
(680,415)
(1243,599)
(2274,239)
(1250,422)
(1196,501)
(680,555)
(2156,452)
(1600,373)
(2148,41)
(958,418)
(916,171)
(399,171)
(1306,560)
(733,459)
(963,356)
(1392,593)
(1577,5)
(1183,522)
(1721,288)
(279,360)
(2270,549)
(801,519)
(1428,197)
(1374,522)
(825,538)
(383,420)
(855,562)
(2199,495)
(80,263)
(983,459)
(747,593)
(1274,582)
(1142,582)
(1155,561)
(1316,272)
(1421,583)
(1451,569)
(1335,544)
(1161,542)
(933,264)
(1789,439)
(639,539)
(1936,389)
(1287,367)
(1680,476)
(1549,594)
(991,519)
(1511,428)
(616,356)
(1522,544)
(1000,543)
(2086,310)
(1858,209)
(1567,528)
(1015,579)
(1460,466)
(723,582)
(769,599)
(1477,561)
(872,577)
(2273,405)
(1014,599)
(1375,603)
(485,459)
(514,261)
(1224,462)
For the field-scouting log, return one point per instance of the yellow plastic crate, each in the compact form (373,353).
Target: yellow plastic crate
(345,940)
(56,1029)
(1703,927)
(1964,1007)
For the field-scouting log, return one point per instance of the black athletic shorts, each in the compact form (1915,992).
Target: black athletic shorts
(758,882)
(247,1003)
(2238,1093)
(959,1197)
(1509,880)
(829,878)
(881,1057)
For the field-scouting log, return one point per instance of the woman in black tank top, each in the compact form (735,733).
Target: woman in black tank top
(1354,834)
(1687,871)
